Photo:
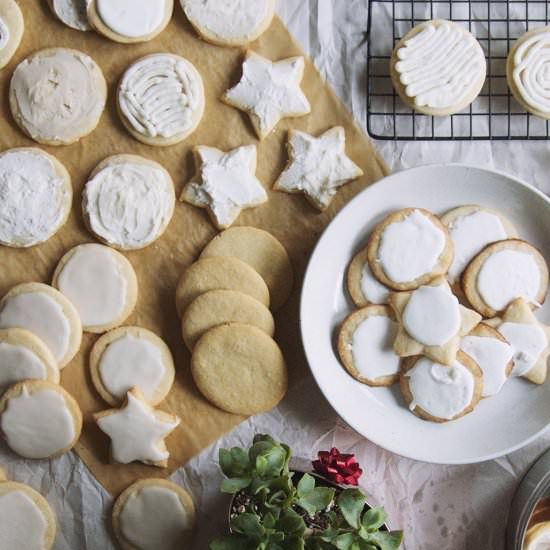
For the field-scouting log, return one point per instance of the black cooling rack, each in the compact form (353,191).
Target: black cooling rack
(495,114)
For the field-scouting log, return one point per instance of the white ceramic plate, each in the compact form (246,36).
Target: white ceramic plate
(499,424)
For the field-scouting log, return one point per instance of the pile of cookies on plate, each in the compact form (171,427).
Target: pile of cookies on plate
(445,309)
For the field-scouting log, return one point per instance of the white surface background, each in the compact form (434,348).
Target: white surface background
(440,507)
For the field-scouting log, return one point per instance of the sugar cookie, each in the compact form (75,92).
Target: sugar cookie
(128,201)
(57,95)
(12,27)
(269,91)
(137,431)
(39,419)
(263,252)
(502,272)
(438,68)
(153,514)
(36,196)
(160,99)
(72,13)
(537,536)
(239,369)
(48,314)
(100,282)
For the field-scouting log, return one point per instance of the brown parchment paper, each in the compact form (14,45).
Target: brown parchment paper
(290,218)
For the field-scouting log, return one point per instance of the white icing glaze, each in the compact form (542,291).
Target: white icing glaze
(132,18)
(39,424)
(541,541)
(4,34)
(373,290)
(73,13)
(441,66)
(18,363)
(34,198)
(528,342)
(22,523)
(441,391)
(507,275)
(410,248)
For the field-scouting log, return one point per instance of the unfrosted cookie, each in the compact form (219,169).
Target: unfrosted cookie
(239,369)
(12,27)
(225,183)
(100,282)
(48,314)
(263,252)
(160,99)
(363,287)
(128,201)
(39,419)
(152,514)
(36,196)
(57,95)
(130,357)
(502,272)
(72,13)
(438,68)
(269,91)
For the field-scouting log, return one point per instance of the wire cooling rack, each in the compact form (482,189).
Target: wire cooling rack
(495,114)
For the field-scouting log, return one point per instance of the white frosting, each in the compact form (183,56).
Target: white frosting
(161,95)
(528,342)
(34,199)
(154,518)
(73,13)
(38,425)
(541,541)
(410,248)
(507,275)
(129,204)
(432,315)
(441,66)
(18,363)
(4,34)
(470,235)
(132,18)
(441,391)
(373,290)
(22,523)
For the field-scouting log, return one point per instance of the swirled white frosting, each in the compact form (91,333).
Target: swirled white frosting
(4,33)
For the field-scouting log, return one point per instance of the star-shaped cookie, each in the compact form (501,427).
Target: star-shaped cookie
(269,91)
(317,167)
(225,183)
(137,431)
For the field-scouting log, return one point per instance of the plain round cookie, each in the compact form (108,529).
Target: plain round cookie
(12,27)
(239,369)
(263,252)
(71,13)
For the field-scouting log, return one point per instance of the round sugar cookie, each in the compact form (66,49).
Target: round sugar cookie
(152,514)
(36,196)
(219,273)
(12,27)
(160,99)
(44,311)
(128,201)
(39,419)
(100,282)
(263,252)
(218,307)
(239,369)
(129,357)
(363,287)
(72,13)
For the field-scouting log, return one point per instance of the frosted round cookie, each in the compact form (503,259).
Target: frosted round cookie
(48,314)
(438,68)
(57,96)
(128,201)
(153,514)
(39,419)
(130,357)
(12,27)
(160,99)
(502,272)
(72,13)
(363,287)
(36,196)
(409,248)
(101,284)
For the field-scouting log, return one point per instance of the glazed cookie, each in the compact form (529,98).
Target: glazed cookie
(245,379)
(12,27)
(39,419)
(263,252)
(225,183)
(160,99)
(130,357)
(72,13)
(48,314)
(438,68)
(128,201)
(502,272)
(153,514)
(137,431)
(100,282)
(365,346)
(409,248)
(36,196)
(72,96)
(269,91)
